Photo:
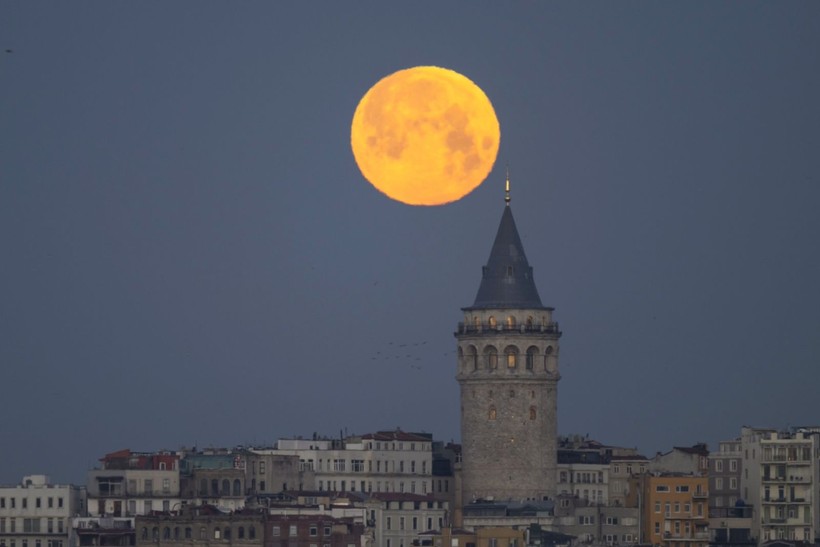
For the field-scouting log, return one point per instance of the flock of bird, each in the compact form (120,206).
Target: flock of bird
(409,353)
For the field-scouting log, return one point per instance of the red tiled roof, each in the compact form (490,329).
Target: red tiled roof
(124,453)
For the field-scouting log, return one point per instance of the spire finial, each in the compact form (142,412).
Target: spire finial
(507,188)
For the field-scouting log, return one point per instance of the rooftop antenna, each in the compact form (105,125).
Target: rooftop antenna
(507,188)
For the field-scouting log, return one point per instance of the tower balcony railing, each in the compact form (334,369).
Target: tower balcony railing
(523,328)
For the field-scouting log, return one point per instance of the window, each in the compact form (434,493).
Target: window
(50,503)
(292,530)
(677,507)
(733,483)
(149,486)
(313,530)
(612,520)
(732,465)
(512,356)
(252,532)
(217,533)
(491,357)
(274,531)
(492,413)
(657,507)
(682,488)
(59,502)
(203,534)
(719,466)
(37,503)
(532,413)
(661,488)
(262,467)
(389,523)
(718,483)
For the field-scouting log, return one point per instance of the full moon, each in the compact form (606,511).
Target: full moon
(425,136)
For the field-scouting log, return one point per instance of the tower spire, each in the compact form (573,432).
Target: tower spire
(507,188)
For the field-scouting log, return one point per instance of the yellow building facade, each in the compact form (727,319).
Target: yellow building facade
(674,509)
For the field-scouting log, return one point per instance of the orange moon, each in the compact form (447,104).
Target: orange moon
(425,136)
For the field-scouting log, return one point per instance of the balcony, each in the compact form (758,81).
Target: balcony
(471,328)
(699,494)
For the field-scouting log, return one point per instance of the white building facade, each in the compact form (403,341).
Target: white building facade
(36,513)
(387,461)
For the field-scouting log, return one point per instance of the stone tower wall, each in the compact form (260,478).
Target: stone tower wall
(508,374)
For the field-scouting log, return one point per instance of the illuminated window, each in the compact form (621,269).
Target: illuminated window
(512,356)
(492,322)
(492,413)
(510,322)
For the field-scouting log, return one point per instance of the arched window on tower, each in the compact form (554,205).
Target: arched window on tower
(491,415)
(511,353)
(547,357)
(237,487)
(529,322)
(491,356)
(532,352)
(476,322)
(472,357)
(226,487)
(510,322)
(492,322)
(532,413)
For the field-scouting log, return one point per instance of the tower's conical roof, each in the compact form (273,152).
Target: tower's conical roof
(507,280)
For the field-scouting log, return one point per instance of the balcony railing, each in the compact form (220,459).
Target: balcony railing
(501,326)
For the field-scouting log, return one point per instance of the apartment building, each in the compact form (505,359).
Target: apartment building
(134,483)
(36,513)
(730,516)
(674,509)
(386,461)
(789,490)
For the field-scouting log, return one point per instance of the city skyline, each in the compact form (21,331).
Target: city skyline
(193,258)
